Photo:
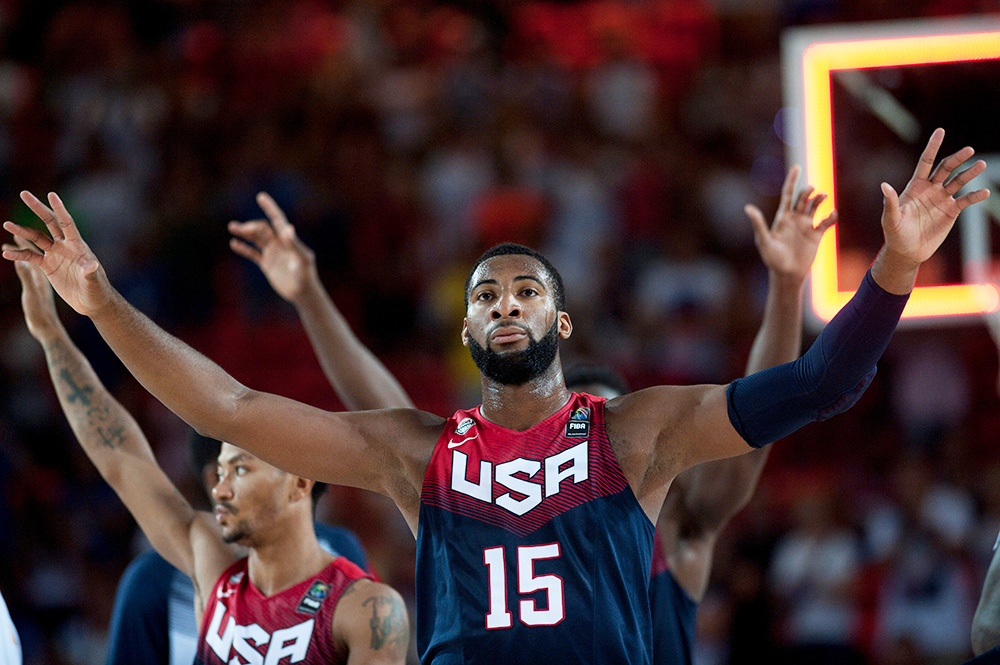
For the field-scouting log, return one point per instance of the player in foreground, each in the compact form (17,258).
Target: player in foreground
(289,597)
(153,620)
(533,512)
(700,501)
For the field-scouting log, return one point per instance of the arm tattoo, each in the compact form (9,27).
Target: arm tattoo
(388,623)
(87,408)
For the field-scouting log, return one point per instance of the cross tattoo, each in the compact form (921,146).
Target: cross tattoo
(78,393)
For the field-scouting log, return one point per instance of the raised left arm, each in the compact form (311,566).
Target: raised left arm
(664,430)
(702,499)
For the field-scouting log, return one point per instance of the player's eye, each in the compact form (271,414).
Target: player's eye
(241,470)
(484,296)
(529,292)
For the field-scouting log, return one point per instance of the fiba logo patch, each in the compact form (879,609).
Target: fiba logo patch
(579,422)
(465,426)
(313,600)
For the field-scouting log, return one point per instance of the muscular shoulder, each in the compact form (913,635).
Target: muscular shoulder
(371,624)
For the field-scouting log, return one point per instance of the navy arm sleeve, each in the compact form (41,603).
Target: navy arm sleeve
(828,379)
(138,631)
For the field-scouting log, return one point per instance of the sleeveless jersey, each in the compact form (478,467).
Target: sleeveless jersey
(673,613)
(292,626)
(531,547)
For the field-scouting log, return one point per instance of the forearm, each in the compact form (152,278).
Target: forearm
(827,380)
(779,339)
(715,491)
(113,441)
(359,378)
(200,392)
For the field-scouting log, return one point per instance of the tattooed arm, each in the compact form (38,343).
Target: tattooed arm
(115,444)
(371,624)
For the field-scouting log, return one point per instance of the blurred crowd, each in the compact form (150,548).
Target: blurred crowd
(402,137)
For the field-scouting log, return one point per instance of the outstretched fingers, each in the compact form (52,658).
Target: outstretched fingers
(256,231)
(972,198)
(65,221)
(245,250)
(788,188)
(757,220)
(950,163)
(36,237)
(827,223)
(927,157)
(282,226)
(814,204)
(44,213)
(963,178)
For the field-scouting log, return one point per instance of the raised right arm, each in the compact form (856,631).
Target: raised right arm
(360,379)
(114,443)
(382,451)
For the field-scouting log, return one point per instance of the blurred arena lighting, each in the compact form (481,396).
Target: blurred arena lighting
(810,57)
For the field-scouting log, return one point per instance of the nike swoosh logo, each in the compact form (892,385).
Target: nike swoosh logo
(224,594)
(456,444)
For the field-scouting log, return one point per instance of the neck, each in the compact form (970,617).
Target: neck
(289,556)
(526,405)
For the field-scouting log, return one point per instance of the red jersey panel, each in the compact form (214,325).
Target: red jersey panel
(242,626)
(520,480)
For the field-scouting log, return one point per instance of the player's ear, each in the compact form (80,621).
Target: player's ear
(301,488)
(465,332)
(565,325)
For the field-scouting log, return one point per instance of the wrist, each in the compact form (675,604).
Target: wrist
(784,282)
(311,292)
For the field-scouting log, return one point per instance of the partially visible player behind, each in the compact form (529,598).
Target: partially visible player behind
(10,643)
(288,597)
(700,501)
(153,621)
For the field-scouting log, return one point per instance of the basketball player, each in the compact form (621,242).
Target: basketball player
(536,509)
(289,597)
(10,643)
(153,621)
(700,501)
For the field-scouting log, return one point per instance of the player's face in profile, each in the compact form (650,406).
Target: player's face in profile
(247,495)
(512,327)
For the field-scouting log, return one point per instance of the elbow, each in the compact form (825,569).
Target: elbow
(223,419)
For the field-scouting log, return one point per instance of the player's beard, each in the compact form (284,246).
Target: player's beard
(516,368)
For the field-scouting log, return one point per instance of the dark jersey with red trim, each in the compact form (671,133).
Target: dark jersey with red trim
(242,625)
(532,547)
(673,613)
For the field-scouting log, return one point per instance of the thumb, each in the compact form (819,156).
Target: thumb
(756,220)
(88,269)
(890,202)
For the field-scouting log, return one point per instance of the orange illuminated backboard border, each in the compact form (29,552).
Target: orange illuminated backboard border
(818,62)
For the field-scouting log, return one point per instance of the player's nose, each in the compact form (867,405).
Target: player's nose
(507,306)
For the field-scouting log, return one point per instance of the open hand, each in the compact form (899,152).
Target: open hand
(273,246)
(916,222)
(62,255)
(789,246)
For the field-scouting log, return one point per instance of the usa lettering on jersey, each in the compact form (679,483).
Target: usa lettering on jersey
(240,645)
(571,463)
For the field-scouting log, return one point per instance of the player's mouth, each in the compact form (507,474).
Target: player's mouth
(222,512)
(508,334)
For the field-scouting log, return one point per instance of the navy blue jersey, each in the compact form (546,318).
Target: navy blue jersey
(532,547)
(673,613)
(153,619)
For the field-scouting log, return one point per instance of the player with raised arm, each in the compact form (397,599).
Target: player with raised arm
(700,501)
(512,501)
(152,619)
(288,597)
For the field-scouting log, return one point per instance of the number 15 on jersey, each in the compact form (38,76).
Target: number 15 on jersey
(499,615)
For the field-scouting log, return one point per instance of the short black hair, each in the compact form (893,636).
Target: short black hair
(512,248)
(204,451)
(586,375)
